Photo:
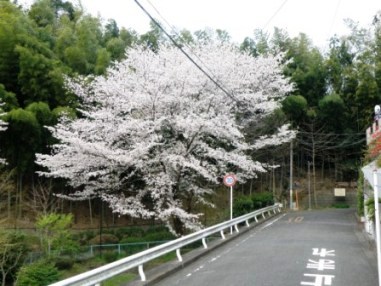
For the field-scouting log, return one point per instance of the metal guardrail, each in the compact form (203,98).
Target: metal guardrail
(97,275)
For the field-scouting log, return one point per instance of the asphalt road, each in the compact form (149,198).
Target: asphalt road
(322,247)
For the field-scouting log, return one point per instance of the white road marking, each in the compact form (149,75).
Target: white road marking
(237,244)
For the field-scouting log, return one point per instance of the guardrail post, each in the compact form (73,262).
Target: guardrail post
(263,215)
(222,234)
(247,223)
(179,255)
(256,219)
(274,211)
(141,272)
(236,227)
(204,243)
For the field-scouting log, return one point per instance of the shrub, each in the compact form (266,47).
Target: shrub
(159,236)
(360,194)
(129,232)
(129,239)
(63,263)
(263,199)
(13,247)
(110,256)
(370,207)
(107,238)
(40,273)
(242,205)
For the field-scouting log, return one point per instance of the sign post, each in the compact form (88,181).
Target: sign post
(229,181)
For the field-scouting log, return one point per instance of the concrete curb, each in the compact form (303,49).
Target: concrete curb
(158,273)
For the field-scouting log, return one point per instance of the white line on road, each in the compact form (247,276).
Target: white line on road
(272,222)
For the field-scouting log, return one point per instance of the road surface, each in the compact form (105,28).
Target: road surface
(323,247)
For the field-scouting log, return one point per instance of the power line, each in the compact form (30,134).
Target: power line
(334,17)
(275,14)
(185,53)
(174,30)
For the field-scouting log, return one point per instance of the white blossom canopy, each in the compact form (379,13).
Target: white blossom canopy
(155,132)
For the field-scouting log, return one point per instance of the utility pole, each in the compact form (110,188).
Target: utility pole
(291,168)
(377,222)
(309,186)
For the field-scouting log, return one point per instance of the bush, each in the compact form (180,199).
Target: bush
(110,256)
(107,238)
(159,236)
(129,239)
(261,200)
(129,232)
(360,194)
(341,205)
(242,205)
(84,237)
(13,248)
(160,228)
(40,273)
(63,263)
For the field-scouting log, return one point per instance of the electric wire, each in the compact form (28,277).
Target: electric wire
(334,17)
(174,31)
(185,53)
(275,14)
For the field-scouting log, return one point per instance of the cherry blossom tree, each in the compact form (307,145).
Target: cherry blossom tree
(155,134)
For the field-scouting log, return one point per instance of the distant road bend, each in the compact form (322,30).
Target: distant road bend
(317,248)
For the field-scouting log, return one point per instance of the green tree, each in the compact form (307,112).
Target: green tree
(54,233)
(307,70)
(12,251)
(22,139)
(332,113)
(40,273)
(8,99)
(295,107)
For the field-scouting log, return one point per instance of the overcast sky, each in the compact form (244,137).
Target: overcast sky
(319,19)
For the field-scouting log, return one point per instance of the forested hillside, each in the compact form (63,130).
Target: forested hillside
(330,104)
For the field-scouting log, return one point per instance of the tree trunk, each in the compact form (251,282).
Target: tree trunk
(178,226)
(90,212)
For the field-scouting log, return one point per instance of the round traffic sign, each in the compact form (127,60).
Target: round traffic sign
(230,180)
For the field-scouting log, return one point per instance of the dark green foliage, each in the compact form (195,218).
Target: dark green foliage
(340,205)
(159,236)
(369,204)
(129,232)
(40,273)
(63,263)
(133,235)
(360,194)
(105,238)
(242,205)
(13,248)
(8,99)
(261,200)
(247,204)
(295,107)
(21,139)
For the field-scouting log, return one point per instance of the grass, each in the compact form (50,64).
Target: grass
(340,205)
(120,279)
